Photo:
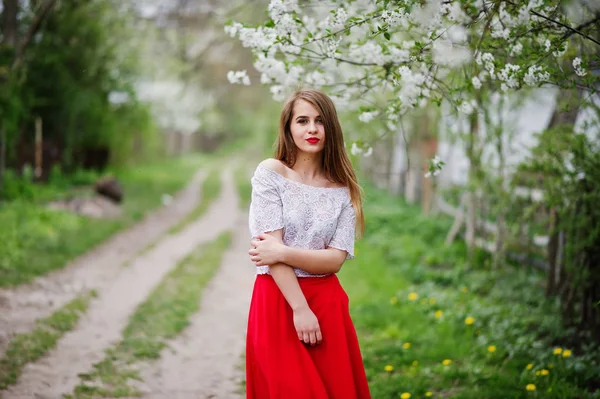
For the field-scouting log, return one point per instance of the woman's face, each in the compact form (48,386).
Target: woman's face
(307,128)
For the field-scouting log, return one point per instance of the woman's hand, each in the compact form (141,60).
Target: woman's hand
(307,326)
(266,251)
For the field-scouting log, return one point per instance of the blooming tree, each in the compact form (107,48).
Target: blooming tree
(383,58)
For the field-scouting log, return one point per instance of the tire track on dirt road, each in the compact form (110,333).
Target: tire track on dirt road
(57,373)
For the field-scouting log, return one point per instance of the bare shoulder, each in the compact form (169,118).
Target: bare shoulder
(275,165)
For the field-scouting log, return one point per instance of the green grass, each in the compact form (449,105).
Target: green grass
(25,348)
(211,188)
(244,187)
(403,275)
(35,240)
(164,314)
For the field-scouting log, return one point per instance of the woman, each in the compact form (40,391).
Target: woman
(306,206)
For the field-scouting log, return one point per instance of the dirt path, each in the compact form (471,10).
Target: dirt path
(204,361)
(20,307)
(56,373)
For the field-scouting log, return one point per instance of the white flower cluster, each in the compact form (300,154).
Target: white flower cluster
(413,86)
(356,150)
(467,107)
(435,166)
(337,21)
(368,116)
(509,76)
(396,18)
(239,77)
(360,47)
(578,68)
(536,75)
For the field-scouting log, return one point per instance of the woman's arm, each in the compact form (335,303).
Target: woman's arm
(315,261)
(305,321)
(269,251)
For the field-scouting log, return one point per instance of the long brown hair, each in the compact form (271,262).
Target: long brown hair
(335,161)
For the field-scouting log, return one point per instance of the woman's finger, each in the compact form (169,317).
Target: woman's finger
(306,338)
(313,338)
(319,336)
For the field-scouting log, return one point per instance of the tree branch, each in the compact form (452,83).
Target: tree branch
(33,28)
(573,30)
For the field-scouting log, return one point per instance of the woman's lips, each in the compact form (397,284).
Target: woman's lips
(313,140)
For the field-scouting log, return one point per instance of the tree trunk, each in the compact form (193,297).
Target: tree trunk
(9,22)
(551,282)
(473,156)
(565,113)
(2,159)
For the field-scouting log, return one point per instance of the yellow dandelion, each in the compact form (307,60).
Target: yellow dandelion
(413,296)
(431,301)
(389,368)
(446,362)
(537,373)
(405,395)
(406,345)
(530,387)
(428,394)
(438,314)
(566,353)
(469,320)
(545,372)
(492,348)
(557,351)
(414,363)
(464,290)
(393,300)
(529,366)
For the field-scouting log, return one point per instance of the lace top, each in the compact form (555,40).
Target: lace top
(311,217)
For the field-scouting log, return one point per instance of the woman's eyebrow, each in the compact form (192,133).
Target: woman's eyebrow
(306,117)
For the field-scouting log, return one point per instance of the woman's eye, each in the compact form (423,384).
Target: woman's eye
(319,121)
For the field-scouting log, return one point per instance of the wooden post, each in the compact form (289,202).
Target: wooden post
(429,150)
(38,147)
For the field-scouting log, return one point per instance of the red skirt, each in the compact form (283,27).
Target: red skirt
(280,366)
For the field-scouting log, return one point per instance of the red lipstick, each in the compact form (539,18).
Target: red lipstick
(313,140)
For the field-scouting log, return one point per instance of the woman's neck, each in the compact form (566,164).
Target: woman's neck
(308,166)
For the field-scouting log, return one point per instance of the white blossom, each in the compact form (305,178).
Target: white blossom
(370,52)
(278,8)
(577,66)
(536,74)
(368,116)
(559,53)
(467,107)
(517,49)
(233,29)
(476,82)
(508,75)
(239,77)
(278,93)
(355,150)
(447,53)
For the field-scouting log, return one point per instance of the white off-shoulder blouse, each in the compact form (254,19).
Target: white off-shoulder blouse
(311,217)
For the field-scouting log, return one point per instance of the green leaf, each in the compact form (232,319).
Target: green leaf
(387,35)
